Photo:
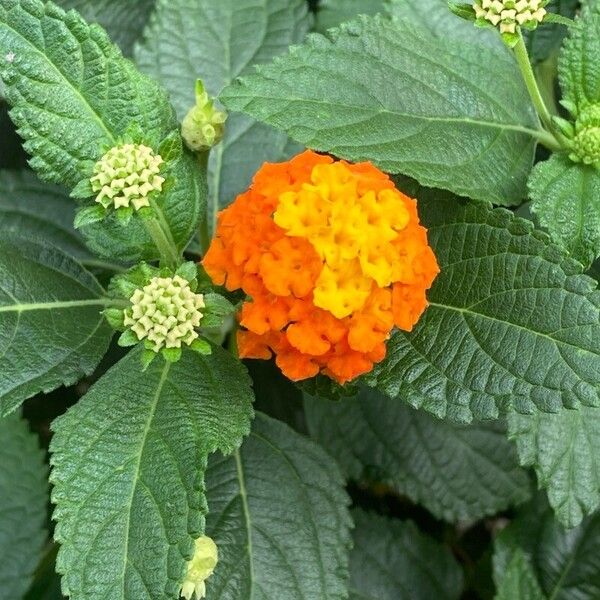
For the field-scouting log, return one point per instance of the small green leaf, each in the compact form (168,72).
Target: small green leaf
(433,98)
(88,215)
(566,200)
(115,317)
(23,506)
(128,462)
(188,270)
(171,355)
(50,320)
(201,346)
(512,321)
(458,473)
(519,580)
(128,338)
(463,11)
(278,515)
(393,560)
(218,305)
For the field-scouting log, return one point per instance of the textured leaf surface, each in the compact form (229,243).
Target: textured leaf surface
(519,580)
(456,472)
(123,20)
(565,562)
(566,199)
(51,329)
(39,211)
(578,62)
(23,500)
(217,42)
(563,448)
(511,321)
(332,13)
(412,104)
(72,94)
(435,16)
(128,463)
(278,514)
(393,560)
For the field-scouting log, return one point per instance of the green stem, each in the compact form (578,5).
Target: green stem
(203,231)
(553,139)
(163,240)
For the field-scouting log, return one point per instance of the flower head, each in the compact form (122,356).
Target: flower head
(507,15)
(126,176)
(200,568)
(586,143)
(203,126)
(332,257)
(165,313)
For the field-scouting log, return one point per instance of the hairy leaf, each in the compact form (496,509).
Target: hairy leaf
(563,450)
(123,20)
(51,329)
(566,199)
(23,500)
(278,515)
(217,42)
(456,472)
(393,560)
(128,463)
(410,103)
(565,562)
(332,13)
(512,322)
(519,580)
(578,64)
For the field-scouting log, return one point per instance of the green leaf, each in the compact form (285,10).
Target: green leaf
(128,463)
(124,21)
(393,560)
(578,63)
(563,450)
(512,321)
(51,326)
(39,211)
(543,41)
(436,16)
(217,42)
(566,200)
(410,103)
(519,580)
(23,500)
(458,473)
(332,13)
(565,562)
(72,93)
(278,515)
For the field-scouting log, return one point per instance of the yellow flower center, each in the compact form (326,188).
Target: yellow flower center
(351,232)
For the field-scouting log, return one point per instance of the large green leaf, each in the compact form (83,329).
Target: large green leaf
(563,448)
(565,562)
(578,64)
(519,580)
(391,93)
(123,20)
(456,472)
(51,328)
(217,42)
(278,514)
(128,464)
(332,13)
(566,199)
(512,321)
(393,560)
(23,501)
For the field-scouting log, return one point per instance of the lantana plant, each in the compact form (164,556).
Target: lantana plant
(298,300)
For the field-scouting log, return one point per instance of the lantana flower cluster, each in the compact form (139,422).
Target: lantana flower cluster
(331,256)
(507,15)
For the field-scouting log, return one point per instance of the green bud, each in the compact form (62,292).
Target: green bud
(586,143)
(203,126)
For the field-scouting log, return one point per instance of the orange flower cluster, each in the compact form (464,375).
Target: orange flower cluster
(332,257)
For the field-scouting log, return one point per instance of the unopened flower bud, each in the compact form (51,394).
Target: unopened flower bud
(203,126)
(200,568)
(586,143)
(126,176)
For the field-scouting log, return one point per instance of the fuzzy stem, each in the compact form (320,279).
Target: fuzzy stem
(163,240)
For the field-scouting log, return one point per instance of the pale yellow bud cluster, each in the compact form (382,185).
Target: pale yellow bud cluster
(508,14)
(200,568)
(126,176)
(165,312)
(203,126)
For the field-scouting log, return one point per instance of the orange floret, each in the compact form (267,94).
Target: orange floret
(331,256)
